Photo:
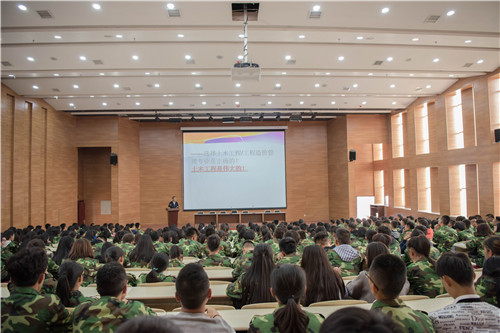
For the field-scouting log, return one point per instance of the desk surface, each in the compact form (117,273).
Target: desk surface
(224,274)
(167,293)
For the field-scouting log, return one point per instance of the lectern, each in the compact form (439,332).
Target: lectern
(173,214)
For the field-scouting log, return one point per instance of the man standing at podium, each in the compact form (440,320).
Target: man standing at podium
(173,203)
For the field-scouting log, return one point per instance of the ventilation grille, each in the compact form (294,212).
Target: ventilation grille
(314,15)
(44,14)
(378,63)
(346,88)
(190,62)
(6,63)
(55,90)
(468,64)
(174,13)
(432,19)
(98,62)
(127,88)
(291,61)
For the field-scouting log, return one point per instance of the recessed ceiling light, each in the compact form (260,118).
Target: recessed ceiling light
(359,37)
(236,102)
(116,85)
(119,36)
(480,61)
(450,13)
(363,103)
(71,104)
(355,85)
(341,58)
(283,73)
(170,6)
(394,103)
(193,73)
(317,85)
(428,86)
(411,74)
(278,85)
(57,36)
(390,59)
(302,36)
(170,103)
(197,85)
(316,8)
(370,74)
(135,57)
(237,85)
(96,6)
(301,102)
(30,59)
(137,103)
(468,41)
(240,57)
(343,95)
(11,75)
(35,87)
(204,103)
(435,60)
(147,73)
(416,39)
(83,58)
(288,57)
(385,10)
(92,96)
(75,86)
(157,85)
(55,74)
(392,86)
(180,35)
(328,73)
(187,57)
(104,103)
(269,102)
(237,95)
(101,74)
(451,75)
(308,95)
(22,7)
(332,102)
(241,35)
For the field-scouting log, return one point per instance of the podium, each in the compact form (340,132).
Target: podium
(173,214)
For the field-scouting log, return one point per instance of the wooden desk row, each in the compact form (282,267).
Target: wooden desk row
(235,218)
(222,274)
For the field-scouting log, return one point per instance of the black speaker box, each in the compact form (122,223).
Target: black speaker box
(113,159)
(352,155)
(497,135)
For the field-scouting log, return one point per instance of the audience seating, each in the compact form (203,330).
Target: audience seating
(215,306)
(443,295)
(267,305)
(412,297)
(156,284)
(338,302)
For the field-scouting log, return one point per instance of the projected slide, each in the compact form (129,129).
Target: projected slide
(234,170)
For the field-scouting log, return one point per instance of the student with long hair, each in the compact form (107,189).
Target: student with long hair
(288,283)
(488,285)
(116,254)
(491,247)
(475,246)
(176,256)
(82,253)
(323,282)
(421,272)
(63,249)
(254,285)
(143,252)
(68,285)
(159,264)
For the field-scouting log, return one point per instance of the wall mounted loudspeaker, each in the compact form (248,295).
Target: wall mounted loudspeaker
(113,159)
(497,135)
(352,155)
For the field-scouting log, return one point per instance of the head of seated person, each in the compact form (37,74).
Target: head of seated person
(457,274)
(288,246)
(382,238)
(114,254)
(148,324)
(342,237)
(27,267)
(192,288)
(247,246)
(213,243)
(321,239)
(293,234)
(111,280)
(357,320)
(387,276)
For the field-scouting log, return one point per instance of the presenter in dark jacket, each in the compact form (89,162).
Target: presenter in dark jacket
(173,203)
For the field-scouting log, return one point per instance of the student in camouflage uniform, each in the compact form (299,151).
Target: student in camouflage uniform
(108,312)
(159,264)
(277,236)
(288,284)
(475,245)
(288,252)
(214,258)
(26,310)
(176,256)
(190,245)
(70,280)
(143,252)
(82,253)
(387,277)
(127,243)
(243,262)
(444,237)
(116,254)
(488,285)
(421,272)
(345,256)
(464,233)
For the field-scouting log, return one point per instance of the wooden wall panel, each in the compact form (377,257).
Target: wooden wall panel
(472,192)
(22,149)
(363,169)
(496,185)
(8,114)
(37,166)
(469,118)
(433,126)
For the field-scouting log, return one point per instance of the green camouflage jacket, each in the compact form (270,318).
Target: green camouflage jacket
(465,235)
(226,248)
(127,247)
(424,280)
(347,268)
(160,247)
(434,254)
(106,314)
(305,243)
(395,249)
(215,260)
(90,267)
(293,259)
(175,263)
(476,245)
(412,321)
(26,311)
(242,264)
(235,289)
(8,251)
(265,323)
(135,264)
(53,268)
(77,298)
(192,248)
(444,238)
(485,288)
(141,279)
(164,248)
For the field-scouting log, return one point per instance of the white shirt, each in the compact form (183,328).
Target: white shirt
(198,322)
(479,317)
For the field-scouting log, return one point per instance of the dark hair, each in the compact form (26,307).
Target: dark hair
(69,272)
(382,238)
(288,245)
(369,234)
(81,249)
(63,248)
(446,219)
(279,232)
(150,324)
(143,251)
(457,266)
(288,283)
(389,274)
(357,320)
(26,266)
(321,237)
(421,245)
(113,254)
(293,234)
(175,252)
(373,250)
(483,230)
(111,279)
(192,286)
(128,237)
(213,242)
(323,282)
(493,244)
(159,263)
(191,232)
(256,282)
(491,268)
(343,236)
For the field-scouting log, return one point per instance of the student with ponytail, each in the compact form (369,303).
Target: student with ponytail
(70,280)
(421,272)
(176,256)
(488,285)
(288,284)
(159,264)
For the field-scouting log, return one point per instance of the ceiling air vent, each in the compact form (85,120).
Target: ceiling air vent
(238,10)
(55,90)
(6,63)
(174,13)
(468,64)
(190,62)
(346,88)
(127,88)
(44,14)
(314,14)
(378,63)
(314,104)
(288,105)
(98,62)
(324,85)
(432,19)
(291,61)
